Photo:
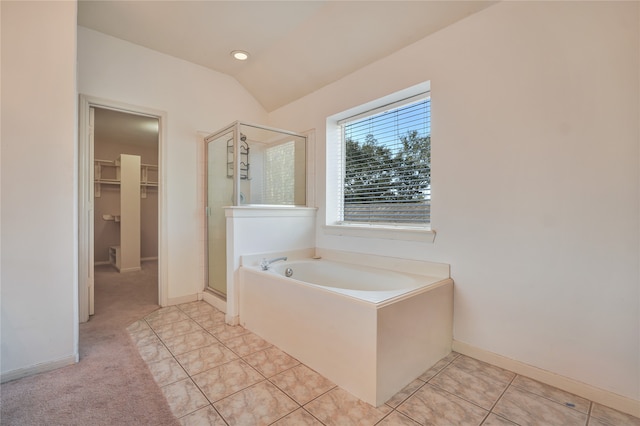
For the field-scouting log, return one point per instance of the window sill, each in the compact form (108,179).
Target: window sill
(266,210)
(421,234)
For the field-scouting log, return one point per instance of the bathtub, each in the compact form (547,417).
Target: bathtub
(370,330)
(373,285)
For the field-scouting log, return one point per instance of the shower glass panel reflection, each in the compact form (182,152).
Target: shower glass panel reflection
(248,164)
(219,195)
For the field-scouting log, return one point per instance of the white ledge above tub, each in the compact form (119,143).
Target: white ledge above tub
(384,232)
(266,210)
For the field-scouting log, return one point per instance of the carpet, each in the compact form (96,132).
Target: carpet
(111,385)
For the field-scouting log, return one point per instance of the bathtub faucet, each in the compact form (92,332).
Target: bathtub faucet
(264,264)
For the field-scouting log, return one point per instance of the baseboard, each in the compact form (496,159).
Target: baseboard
(38,368)
(106,262)
(220,304)
(182,299)
(213,300)
(592,393)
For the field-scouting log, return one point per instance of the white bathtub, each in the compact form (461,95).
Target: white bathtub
(370,330)
(373,285)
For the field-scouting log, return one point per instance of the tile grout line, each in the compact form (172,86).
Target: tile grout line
(498,400)
(194,382)
(265,379)
(300,406)
(440,371)
(205,316)
(315,398)
(182,367)
(385,416)
(178,362)
(268,379)
(189,376)
(311,414)
(586,423)
(553,401)
(426,382)
(241,358)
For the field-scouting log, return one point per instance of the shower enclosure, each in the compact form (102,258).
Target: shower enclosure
(248,164)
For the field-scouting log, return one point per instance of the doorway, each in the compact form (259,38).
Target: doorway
(120,151)
(125,232)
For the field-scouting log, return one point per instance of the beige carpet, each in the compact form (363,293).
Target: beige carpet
(111,384)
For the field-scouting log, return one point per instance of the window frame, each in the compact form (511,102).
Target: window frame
(335,173)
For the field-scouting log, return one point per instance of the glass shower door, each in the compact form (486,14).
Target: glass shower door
(248,165)
(219,195)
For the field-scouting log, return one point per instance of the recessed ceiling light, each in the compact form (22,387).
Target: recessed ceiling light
(240,55)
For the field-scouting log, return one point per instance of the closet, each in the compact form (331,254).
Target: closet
(128,176)
(125,192)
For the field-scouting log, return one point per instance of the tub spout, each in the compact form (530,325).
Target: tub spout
(264,264)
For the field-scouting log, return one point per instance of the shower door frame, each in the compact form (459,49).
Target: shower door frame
(235,128)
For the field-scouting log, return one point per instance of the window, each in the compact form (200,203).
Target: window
(386,165)
(279,179)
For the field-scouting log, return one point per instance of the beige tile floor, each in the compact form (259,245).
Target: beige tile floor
(215,374)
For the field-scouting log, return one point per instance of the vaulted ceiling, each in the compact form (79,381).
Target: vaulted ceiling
(295,47)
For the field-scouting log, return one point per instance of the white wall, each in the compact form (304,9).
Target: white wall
(535,180)
(280,230)
(195,99)
(38,173)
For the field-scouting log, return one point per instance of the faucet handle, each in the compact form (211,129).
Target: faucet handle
(264,264)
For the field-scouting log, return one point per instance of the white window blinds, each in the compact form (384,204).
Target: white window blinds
(386,162)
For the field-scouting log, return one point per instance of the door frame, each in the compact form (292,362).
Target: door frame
(86,198)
